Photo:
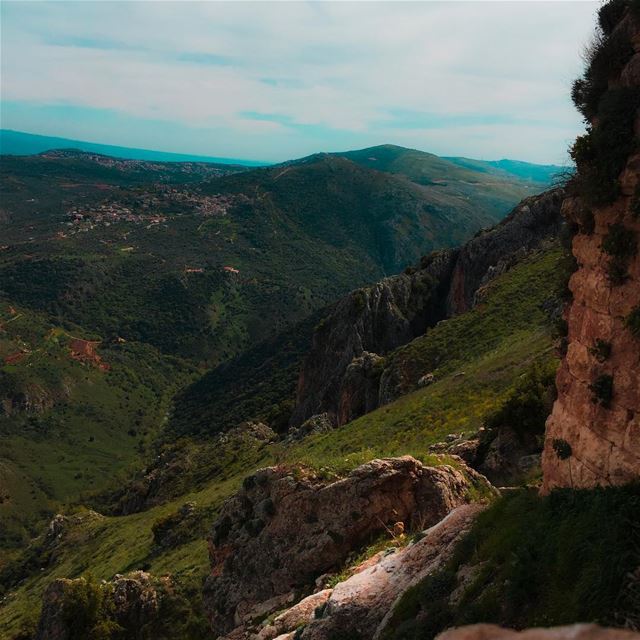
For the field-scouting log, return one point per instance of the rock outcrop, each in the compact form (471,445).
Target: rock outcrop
(286,527)
(341,374)
(593,433)
(569,632)
(359,607)
(130,602)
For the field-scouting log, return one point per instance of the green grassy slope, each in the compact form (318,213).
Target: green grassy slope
(257,385)
(407,426)
(476,357)
(534,561)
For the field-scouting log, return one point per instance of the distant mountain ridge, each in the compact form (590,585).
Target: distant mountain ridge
(23,144)
(18,143)
(494,187)
(418,164)
(525,170)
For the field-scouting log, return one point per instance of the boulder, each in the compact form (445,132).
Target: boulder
(321,423)
(426,380)
(301,613)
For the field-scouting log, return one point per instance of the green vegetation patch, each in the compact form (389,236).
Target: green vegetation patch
(602,390)
(71,424)
(534,561)
(601,153)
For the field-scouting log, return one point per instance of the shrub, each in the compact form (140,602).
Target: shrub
(567,266)
(617,271)
(87,611)
(635,203)
(527,407)
(359,300)
(632,321)
(610,14)
(620,242)
(605,57)
(561,328)
(562,448)
(602,390)
(587,221)
(279,415)
(600,154)
(608,55)
(601,350)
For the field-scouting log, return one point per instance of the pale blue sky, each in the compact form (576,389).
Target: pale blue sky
(276,80)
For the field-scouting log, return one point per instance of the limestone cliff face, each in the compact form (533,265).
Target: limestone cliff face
(593,433)
(342,373)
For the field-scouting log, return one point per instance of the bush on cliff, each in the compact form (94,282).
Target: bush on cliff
(527,407)
(602,390)
(87,611)
(600,154)
(633,322)
(605,58)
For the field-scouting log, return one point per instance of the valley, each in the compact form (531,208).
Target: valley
(366,395)
(171,269)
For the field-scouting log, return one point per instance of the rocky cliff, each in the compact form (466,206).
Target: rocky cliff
(286,527)
(593,433)
(341,374)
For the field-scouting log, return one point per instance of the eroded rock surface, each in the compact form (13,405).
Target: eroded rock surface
(569,632)
(286,527)
(593,433)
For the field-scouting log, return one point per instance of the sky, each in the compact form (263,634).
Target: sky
(272,81)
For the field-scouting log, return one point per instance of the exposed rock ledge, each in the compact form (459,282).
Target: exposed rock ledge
(286,527)
(360,606)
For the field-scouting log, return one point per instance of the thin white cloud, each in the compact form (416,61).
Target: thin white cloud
(342,67)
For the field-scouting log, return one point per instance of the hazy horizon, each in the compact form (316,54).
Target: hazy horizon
(273,81)
(210,158)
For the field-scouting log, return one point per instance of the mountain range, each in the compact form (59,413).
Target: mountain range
(365,394)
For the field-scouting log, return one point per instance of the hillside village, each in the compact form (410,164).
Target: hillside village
(149,208)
